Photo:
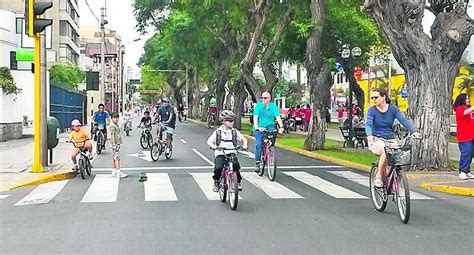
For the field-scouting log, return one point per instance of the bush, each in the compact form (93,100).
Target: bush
(66,75)
(7,83)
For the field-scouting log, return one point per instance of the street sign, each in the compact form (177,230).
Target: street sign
(25,55)
(404,93)
(150,91)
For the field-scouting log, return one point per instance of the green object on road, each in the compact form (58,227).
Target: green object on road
(142,177)
(25,55)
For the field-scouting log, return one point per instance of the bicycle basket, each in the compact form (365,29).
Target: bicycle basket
(399,156)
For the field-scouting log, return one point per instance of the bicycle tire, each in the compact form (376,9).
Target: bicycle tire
(222,190)
(127,132)
(403,204)
(82,169)
(143,141)
(233,192)
(263,162)
(377,195)
(155,151)
(150,140)
(169,154)
(271,164)
(88,167)
(99,143)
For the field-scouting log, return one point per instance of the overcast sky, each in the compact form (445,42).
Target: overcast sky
(121,19)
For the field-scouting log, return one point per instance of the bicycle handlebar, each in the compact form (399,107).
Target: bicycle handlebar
(73,143)
(405,140)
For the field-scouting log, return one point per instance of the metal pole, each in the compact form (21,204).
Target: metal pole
(44,103)
(187,95)
(37,167)
(350,143)
(102,58)
(389,78)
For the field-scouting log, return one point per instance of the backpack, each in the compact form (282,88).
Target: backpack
(219,137)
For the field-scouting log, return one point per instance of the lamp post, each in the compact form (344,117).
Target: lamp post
(347,54)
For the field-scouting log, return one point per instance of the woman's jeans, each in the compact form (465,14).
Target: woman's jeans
(467,152)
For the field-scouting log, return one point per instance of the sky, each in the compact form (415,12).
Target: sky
(120,18)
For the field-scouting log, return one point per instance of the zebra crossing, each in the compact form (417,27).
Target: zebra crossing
(159,187)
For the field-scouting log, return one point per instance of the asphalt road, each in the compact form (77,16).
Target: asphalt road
(176,212)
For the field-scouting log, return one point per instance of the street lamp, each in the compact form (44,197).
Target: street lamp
(347,54)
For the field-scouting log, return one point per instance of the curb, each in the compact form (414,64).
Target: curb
(44,179)
(437,186)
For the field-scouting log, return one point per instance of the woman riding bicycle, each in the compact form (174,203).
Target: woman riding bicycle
(380,118)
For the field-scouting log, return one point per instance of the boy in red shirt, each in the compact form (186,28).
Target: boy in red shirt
(464,134)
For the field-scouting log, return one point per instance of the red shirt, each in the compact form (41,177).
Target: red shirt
(298,113)
(340,112)
(291,112)
(213,109)
(465,125)
(307,113)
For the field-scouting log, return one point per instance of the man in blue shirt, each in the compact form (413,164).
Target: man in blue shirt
(264,116)
(100,119)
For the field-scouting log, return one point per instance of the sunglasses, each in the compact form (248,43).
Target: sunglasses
(264,97)
(374,98)
(229,120)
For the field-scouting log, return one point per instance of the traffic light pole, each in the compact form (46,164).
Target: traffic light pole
(44,103)
(37,166)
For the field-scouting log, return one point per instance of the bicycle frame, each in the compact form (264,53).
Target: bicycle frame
(390,180)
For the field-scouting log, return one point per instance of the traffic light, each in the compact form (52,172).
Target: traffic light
(33,24)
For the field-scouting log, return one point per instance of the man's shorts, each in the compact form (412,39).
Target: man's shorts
(116,152)
(169,130)
(377,146)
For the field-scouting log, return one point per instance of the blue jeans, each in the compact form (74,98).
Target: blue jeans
(467,152)
(259,142)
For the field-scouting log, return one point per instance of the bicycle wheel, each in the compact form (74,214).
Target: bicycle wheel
(150,140)
(82,168)
(88,167)
(403,196)
(208,122)
(127,132)
(170,153)
(222,189)
(100,137)
(233,192)
(155,151)
(377,195)
(143,141)
(271,163)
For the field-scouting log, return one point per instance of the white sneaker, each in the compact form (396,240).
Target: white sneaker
(121,175)
(470,176)
(114,173)
(463,176)
(167,150)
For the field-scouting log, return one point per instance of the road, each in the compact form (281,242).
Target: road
(313,208)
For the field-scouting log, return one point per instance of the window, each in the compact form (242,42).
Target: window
(63,28)
(19,25)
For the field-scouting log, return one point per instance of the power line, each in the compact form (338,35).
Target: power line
(90,9)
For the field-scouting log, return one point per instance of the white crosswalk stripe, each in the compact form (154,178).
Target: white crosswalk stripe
(364,181)
(324,186)
(158,187)
(3,196)
(43,193)
(104,188)
(204,180)
(273,189)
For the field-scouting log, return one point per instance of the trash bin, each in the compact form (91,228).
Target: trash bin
(52,132)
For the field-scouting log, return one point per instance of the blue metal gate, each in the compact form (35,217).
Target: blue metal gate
(67,105)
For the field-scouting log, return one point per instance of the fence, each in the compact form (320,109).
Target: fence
(66,105)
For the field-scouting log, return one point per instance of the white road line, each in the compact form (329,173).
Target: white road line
(106,169)
(104,188)
(324,186)
(204,181)
(158,187)
(364,181)
(3,196)
(203,157)
(183,141)
(273,189)
(248,154)
(43,194)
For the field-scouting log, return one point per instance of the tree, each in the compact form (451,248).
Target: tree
(151,81)
(430,64)
(467,80)
(7,83)
(67,75)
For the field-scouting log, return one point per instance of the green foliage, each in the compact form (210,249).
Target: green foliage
(7,83)
(151,81)
(467,79)
(67,75)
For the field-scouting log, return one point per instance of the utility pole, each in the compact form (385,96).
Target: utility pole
(44,103)
(102,56)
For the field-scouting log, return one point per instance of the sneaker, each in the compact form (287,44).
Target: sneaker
(114,173)
(167,150)
(121,175)
(240,186)
(257,167)
(470,176)
(378,183)
(216,186)
(463,176)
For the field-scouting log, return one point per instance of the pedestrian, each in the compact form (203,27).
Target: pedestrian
(307,117)
(185,114)
(464,134)
(116,141)
(328,116)
(299,116)
(340,115)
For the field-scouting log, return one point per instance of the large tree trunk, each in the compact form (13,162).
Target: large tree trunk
(191,95)
(430,66)
(316,78)
(239,99)
(268,67)
(356,89)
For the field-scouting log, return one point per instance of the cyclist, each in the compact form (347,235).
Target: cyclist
(166,114)
(127,116)
(100,117)
(146,120)
(180,112)
(212,112)
(264,116)
(226,137)
(380,118)
(80,137)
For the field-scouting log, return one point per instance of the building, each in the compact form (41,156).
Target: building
(62,36)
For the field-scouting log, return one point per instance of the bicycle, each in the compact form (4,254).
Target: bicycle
(395,182)
(84,163)
(268,155)
(128,126)
(159,146)
(100,139)
(211,120)
(146,139)
(228,183)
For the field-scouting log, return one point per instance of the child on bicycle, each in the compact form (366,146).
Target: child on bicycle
(80,138)
(226,137)
(146,120)
(116,141)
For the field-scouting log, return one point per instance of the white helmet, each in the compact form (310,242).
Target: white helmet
(76,123)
